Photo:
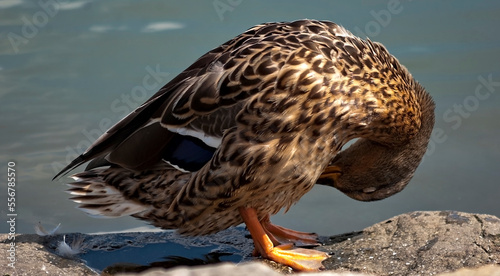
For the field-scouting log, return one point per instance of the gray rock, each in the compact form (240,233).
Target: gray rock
(254,268)
(33,258)
(418,243)
(245,269)
(488,270)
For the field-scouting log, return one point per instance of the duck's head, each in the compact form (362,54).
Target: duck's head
(372,170)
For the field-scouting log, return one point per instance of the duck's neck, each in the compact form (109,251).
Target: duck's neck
(373,171)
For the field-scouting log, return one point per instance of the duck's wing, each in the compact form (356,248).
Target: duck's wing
(191,112)
(185,120)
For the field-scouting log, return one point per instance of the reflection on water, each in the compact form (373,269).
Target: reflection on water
(135,252)
(135,259)
(69,71)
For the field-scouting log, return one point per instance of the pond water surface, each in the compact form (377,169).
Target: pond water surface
(68,72)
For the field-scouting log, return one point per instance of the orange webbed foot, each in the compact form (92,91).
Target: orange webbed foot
(298,258)
(285,235)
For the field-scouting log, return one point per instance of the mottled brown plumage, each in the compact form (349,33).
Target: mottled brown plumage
(274,105)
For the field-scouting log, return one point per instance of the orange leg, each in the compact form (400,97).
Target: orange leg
(285,235)
(298,258)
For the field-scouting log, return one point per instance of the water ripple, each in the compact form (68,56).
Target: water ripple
(162,26)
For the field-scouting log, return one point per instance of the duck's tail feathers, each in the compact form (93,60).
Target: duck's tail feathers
(99,199)
(116,191)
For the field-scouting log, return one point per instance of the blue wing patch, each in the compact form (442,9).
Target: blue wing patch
(187,152)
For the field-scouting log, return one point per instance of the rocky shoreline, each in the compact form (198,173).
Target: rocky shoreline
(417,243)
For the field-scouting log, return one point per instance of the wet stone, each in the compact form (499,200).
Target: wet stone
(418,243)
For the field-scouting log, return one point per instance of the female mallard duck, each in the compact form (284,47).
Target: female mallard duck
(251,126)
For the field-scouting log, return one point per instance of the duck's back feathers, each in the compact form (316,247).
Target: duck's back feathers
(204,99)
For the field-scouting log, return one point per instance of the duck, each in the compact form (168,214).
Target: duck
(251,126)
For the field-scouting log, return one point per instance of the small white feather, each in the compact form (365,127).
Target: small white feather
(41,231)
(65,250)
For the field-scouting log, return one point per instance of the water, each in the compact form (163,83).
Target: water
(144,257)
(68,73)
(139,251)
(170,251)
